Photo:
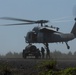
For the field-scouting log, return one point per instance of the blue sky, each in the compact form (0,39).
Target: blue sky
(12,37)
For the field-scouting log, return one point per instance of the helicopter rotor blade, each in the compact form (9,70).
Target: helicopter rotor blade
(17,24)
(61,21)
(16,19)
(23,20)
(62,18)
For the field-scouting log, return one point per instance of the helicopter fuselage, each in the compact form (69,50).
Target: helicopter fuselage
(38,36)
(44,34)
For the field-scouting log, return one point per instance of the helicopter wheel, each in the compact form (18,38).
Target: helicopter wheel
(23,54)
(68,47)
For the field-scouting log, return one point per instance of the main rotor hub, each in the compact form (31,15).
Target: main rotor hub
(42,21)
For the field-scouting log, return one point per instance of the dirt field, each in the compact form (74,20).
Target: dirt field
(28,66)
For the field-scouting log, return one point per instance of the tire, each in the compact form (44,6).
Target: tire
(23,54)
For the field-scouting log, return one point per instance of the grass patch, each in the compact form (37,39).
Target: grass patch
(49,67)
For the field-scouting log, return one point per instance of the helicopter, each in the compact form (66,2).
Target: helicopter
(44,34)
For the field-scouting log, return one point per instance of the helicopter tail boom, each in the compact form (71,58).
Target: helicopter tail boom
(74,29)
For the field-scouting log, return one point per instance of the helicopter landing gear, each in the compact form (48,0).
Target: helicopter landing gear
(68,47)
(47,50)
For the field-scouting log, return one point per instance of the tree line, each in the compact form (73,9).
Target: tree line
(55,54)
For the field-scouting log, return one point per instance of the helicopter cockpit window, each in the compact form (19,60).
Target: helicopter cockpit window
(29,35)
(34,36)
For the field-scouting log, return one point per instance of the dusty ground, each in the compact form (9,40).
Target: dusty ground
(28,66)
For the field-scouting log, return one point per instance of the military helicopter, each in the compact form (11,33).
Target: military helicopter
(44,34)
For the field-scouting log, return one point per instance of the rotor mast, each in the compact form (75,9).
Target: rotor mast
(42,22)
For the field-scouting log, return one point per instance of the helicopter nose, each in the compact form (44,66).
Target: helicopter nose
(25,38)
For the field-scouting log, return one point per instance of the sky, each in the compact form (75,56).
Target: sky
(12,37)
